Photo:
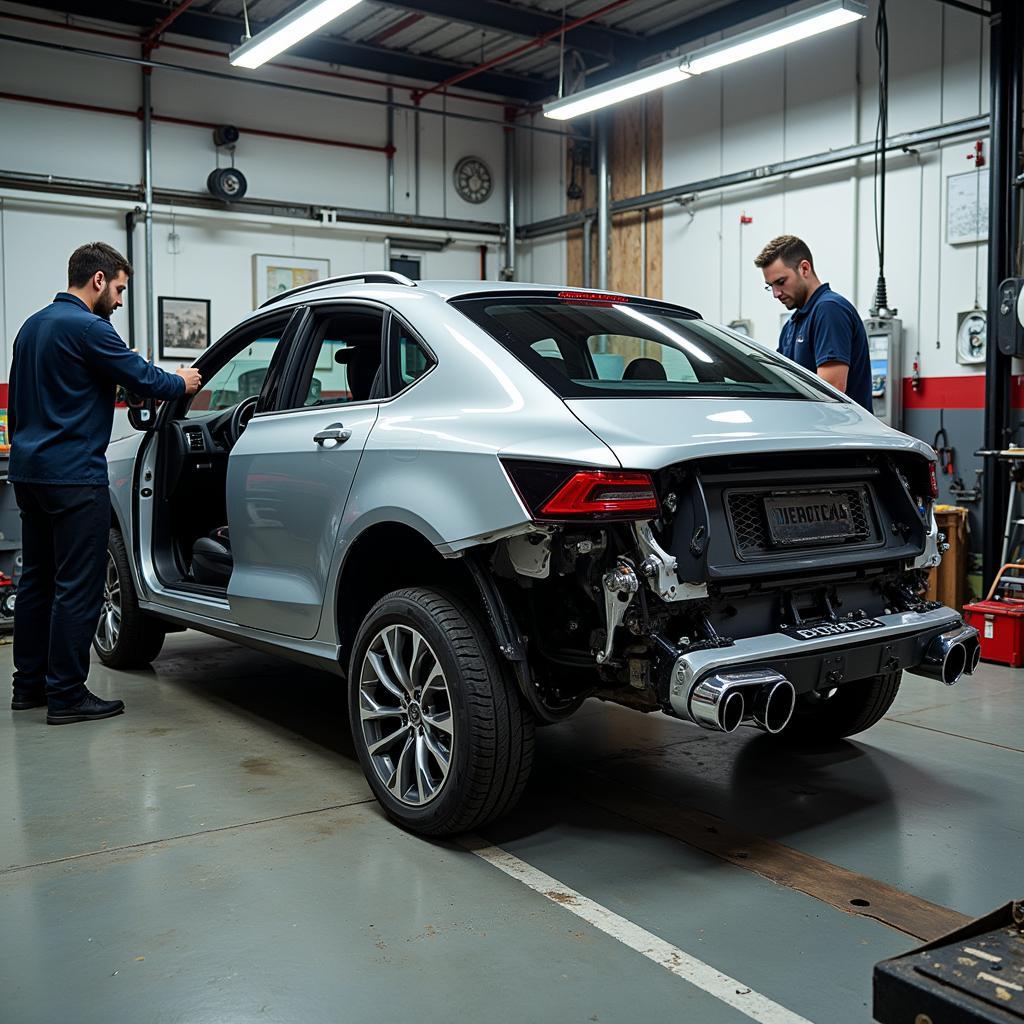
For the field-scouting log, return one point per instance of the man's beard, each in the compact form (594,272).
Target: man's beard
(104,306)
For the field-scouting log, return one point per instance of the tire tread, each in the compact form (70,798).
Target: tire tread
(501,752)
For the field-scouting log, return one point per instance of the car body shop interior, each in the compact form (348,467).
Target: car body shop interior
(565,468)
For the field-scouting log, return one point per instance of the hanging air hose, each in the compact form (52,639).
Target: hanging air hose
(881,303)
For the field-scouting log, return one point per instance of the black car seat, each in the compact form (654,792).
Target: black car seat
(211,558)
(644,369)
(362,363)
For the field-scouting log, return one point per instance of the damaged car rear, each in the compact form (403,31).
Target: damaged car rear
(552,496)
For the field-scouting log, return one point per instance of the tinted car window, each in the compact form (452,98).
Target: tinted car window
(345,359)
(624,349)
(244,374)
(413,358)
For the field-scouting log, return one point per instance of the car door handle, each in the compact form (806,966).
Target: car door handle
(335,432)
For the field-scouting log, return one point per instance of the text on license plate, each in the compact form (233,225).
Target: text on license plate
(802,518)
(825,629)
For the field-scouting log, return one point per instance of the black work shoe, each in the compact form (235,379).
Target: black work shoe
(25,702)
(89,709)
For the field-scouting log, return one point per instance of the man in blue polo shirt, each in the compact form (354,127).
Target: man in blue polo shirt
(67,362)
(825,332)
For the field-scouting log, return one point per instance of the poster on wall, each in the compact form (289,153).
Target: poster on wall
(967,207)
(272,275)
(184,327)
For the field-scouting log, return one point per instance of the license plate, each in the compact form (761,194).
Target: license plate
(822,630)
(809,518)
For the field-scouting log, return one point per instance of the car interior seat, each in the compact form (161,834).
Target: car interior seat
(364,370)
(211,558)
(644,369)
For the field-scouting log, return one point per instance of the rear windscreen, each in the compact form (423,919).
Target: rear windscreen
(632,350)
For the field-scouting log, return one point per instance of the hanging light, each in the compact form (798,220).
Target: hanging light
(791,29)
(306,19)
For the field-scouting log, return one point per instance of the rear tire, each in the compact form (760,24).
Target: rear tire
(125,636)
(442,734)
(852,708)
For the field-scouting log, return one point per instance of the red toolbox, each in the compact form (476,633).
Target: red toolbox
(1000,626)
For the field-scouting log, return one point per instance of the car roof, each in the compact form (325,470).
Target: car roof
(376,284)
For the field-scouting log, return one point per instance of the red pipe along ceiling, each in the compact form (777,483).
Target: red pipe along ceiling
(189,122)
(524,48)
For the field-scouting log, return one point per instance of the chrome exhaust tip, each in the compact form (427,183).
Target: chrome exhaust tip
(973,655)
(717,703)
(950,655)
(773,706)
(760,697)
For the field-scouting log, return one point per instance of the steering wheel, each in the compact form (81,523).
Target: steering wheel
(240,416)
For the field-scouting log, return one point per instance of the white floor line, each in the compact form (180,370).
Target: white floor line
(674,960)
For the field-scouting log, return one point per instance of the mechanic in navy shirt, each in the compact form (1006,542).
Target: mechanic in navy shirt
(825,332)
(67,362)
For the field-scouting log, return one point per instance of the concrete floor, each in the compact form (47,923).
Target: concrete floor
(214,856)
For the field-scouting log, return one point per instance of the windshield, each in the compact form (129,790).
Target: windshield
(627,349)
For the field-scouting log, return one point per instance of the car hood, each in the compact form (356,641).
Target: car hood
(649,433)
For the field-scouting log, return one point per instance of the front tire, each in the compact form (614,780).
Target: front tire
(125,636)
(850,709)
(441,732)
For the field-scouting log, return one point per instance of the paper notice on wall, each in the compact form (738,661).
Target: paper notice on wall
(967,207)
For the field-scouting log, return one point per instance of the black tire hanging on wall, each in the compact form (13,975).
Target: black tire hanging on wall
(441,731)
(227,183)
(125,636)
(851,708)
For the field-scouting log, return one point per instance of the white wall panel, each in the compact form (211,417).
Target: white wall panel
(820,83)
(692,130)
(38,239)
(782,107)
(693,250)
(752,105)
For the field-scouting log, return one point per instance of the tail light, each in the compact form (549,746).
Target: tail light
(559,493)
(578,298)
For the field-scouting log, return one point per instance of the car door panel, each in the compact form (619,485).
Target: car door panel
(286,494)
(289,479)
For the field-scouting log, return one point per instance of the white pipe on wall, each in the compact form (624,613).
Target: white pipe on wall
(343,228)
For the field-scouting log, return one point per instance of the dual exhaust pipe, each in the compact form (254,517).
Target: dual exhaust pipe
(762,698)
(950,655)
(765,699)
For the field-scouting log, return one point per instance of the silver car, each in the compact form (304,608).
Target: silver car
(481,504)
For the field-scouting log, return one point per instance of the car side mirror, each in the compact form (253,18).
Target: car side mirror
(141,412)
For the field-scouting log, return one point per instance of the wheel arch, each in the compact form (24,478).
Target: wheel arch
(387,556)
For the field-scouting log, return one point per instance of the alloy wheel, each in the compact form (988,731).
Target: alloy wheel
(405,711)
(108,629)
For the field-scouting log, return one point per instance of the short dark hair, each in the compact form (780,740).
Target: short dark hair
(86,260)
(788,248)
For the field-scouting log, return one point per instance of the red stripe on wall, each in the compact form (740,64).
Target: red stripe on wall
(945,393)
(3,395)
(955,392)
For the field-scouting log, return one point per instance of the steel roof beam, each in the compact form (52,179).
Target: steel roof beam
(499,16)
(145,14)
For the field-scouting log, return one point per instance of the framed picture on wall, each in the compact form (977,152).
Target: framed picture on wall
(272,275)
(184,327)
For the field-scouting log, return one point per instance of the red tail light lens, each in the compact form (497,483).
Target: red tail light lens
(576,298)
(933,482)
(603,492)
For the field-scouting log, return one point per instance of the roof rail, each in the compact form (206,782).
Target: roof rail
(371,277)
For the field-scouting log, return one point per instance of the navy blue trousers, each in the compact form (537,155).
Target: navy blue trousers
(63,545)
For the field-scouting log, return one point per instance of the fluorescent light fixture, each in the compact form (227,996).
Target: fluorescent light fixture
(791,29)
(306,19)
(625,88)
(809,22)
